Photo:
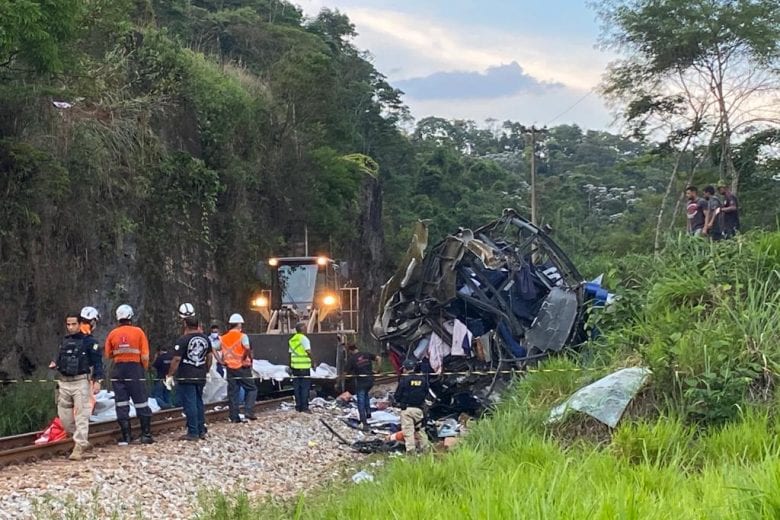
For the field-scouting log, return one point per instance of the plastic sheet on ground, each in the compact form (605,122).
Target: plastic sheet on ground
(325,371)
(105,407)
(449,428)
(265,370)
(606,399)
(362,476)
(215,389)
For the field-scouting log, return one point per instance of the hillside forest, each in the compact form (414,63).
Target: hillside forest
(153,152)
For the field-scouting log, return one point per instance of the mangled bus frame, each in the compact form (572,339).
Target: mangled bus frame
(504,293)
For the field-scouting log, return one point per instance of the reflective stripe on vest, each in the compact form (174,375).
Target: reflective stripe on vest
(299,359)
(233,352)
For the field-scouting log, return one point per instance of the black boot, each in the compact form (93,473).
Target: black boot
(146,429)
(124,428)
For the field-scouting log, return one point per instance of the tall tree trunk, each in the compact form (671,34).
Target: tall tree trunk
(667,193)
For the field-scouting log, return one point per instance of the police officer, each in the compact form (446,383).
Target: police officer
(410,396)
(128,348)
(236,355)
(78,363)
(300,363)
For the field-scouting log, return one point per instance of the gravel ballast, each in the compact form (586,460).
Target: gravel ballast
(281,454)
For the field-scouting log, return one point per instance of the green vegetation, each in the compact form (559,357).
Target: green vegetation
(700,442)
(26,407)
(196,129)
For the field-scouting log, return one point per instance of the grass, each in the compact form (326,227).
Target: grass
(701,442)
(509,467)
(26,407)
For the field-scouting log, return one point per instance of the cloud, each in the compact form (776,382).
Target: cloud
(417,46)
(416,49)
(551,107)
(500,81)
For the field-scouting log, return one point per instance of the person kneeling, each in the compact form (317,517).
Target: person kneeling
(410,396)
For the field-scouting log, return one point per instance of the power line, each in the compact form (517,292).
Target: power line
(580,100)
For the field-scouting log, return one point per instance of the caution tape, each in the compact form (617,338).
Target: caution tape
(344,376)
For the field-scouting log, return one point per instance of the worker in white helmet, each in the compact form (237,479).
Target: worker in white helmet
(236,355)
(128,347)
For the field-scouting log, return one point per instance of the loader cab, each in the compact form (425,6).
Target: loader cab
(308,289)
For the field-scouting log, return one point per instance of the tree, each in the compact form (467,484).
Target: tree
(718,54)
(34,32)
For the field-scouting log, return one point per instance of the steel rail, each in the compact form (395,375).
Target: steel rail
(19,449)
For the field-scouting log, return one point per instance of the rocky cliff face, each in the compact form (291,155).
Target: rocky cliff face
(69,256)
(368,255)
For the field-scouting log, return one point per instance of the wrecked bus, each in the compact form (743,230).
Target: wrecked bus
(483,301)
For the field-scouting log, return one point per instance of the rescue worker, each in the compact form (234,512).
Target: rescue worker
(186,310)
(300,363)
(191,362)
(88,320)
(410,396)
(79,365)
(237,357)
(360,365)
(128,348)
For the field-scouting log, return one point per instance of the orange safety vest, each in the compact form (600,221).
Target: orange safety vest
(234,355)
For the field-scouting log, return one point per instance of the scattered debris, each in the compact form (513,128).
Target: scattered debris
(606,399)
(362,476)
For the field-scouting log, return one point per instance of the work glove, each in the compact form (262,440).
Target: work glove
(169,382)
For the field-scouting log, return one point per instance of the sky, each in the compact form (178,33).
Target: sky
(531,61)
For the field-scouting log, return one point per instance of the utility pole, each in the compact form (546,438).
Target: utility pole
(533,175)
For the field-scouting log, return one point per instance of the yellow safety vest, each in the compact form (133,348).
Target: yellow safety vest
(299,359)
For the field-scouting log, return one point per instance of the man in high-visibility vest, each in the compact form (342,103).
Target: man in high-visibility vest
(300,363)
(237,357)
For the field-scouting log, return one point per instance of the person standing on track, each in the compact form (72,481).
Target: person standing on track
(300,363)
(361,366)
(128,348)
(191,362)
(237,358)
(79,363)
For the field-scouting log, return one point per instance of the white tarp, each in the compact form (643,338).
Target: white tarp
(324,371)
(215,388)
(264,370)
(606,399)
(105,408)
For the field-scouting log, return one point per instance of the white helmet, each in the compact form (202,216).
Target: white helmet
(186,310)
(124,312)
(235,318)
(89,313)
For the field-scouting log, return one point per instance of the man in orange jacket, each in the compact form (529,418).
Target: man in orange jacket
(128,348)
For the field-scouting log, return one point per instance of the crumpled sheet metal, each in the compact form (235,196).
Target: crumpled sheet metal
(606,399)
(507,274)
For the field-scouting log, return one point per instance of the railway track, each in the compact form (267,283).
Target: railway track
(20,449)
